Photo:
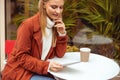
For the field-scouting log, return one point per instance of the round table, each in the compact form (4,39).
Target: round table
(98,67)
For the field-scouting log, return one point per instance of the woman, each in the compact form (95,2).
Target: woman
(39,38)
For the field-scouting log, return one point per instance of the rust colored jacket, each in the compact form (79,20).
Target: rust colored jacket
(24,60)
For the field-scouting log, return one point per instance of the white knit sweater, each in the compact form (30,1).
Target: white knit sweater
(47,40)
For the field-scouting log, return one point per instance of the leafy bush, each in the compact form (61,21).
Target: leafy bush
(104,16)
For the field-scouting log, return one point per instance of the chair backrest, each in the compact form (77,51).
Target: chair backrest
(9,44)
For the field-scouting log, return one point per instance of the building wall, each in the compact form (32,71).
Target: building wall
(2,34)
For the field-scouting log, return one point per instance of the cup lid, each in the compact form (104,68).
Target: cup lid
(85,49)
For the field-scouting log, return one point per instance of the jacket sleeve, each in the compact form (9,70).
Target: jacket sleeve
(23,51)
(61,45)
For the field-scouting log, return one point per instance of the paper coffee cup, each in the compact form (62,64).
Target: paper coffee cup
(84,54)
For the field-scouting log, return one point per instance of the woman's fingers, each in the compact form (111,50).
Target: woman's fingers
(55,67)
(58,21)
(60,26)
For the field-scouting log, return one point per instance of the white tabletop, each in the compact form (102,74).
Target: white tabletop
(98,67)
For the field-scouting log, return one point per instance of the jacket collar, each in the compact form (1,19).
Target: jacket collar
(36,31)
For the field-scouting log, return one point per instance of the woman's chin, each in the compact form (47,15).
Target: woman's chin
(54,18)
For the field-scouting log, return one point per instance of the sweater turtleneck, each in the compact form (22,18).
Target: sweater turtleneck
(47,40)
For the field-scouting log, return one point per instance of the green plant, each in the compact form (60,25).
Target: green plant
(72,49)
(32,9)
(69,15)
(104,15)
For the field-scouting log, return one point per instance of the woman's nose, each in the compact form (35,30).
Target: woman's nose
(58,10)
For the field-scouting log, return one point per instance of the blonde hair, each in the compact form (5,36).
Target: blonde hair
(43,21)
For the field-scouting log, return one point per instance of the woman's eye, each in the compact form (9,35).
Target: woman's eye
(61,7)
(54,7)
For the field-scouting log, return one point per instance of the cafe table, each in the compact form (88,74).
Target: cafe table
(97,68)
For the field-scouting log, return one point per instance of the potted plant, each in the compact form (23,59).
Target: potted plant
(104,16)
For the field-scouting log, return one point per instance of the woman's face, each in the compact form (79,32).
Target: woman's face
(54,8)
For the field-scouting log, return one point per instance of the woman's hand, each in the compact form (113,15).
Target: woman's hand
(55,67)
(60,26)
